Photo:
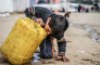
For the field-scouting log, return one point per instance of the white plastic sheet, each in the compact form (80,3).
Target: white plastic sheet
(13,5)
(6,6)
(4,15)
(20,5)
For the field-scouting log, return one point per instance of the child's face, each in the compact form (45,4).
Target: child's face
(47,28)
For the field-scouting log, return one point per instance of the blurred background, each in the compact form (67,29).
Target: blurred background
(54,5)
(82,36)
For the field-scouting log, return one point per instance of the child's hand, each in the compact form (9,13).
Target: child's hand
(40,21)
(64,58)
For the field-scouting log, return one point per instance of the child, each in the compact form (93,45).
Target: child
(55,26)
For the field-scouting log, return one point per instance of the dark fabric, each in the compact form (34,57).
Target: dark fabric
(46,46)
(79,8)
(61,45)
(27,13)
(39,12)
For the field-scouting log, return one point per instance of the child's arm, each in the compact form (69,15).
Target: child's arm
(62,48)
(30,12)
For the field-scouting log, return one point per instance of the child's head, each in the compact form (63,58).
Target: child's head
(56,25)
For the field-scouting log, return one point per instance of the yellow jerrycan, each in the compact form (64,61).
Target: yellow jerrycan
(23,41)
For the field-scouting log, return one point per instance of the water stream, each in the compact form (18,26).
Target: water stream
(36,59)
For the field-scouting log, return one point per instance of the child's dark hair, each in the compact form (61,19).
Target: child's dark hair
(58,24)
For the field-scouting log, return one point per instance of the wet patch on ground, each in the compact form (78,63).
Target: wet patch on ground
(36,60)
(94,35)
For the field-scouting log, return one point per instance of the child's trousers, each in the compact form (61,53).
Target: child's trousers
(46,48)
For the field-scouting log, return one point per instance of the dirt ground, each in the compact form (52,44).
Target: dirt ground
(81,49)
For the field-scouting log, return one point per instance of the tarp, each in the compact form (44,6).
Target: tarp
(6,6)
(13,5)
(20,5)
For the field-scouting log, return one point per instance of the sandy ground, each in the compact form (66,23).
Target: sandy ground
(81,49)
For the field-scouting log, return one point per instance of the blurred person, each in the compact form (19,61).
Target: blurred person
(82,8)
(87,10)
(96,6)
(92,8)
(55,26)
(79,8)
